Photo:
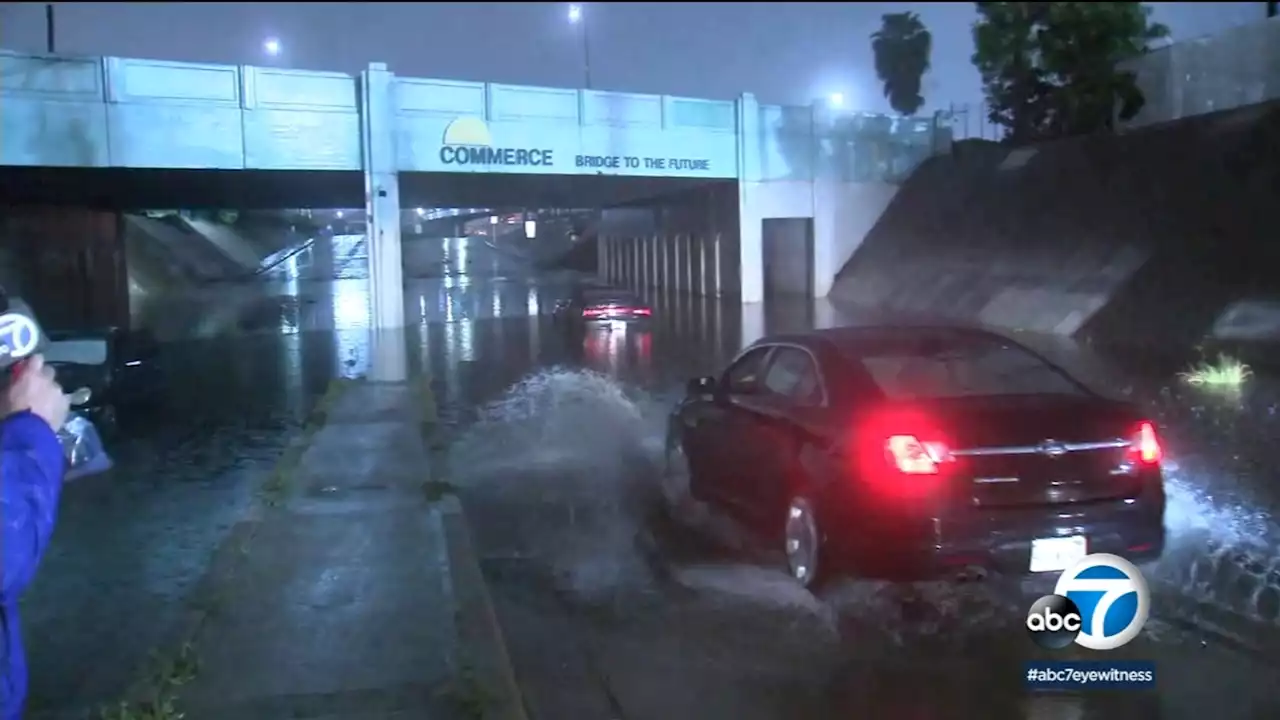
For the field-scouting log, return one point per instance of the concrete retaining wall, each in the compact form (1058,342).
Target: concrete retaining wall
(1150,236)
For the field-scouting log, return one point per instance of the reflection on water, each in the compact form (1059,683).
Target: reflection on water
(470,294)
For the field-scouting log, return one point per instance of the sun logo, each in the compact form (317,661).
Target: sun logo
(468,132)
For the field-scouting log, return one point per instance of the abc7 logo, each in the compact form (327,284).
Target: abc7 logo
(1101,604)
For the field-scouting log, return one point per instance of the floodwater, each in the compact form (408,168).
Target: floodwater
(610,609)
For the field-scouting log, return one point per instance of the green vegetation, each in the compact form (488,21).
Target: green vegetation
(902,47)
(277,486)
(1225,372)
(1053,69)
(168,676)
(468,695)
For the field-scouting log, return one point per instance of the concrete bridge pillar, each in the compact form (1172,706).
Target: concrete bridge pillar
(664,256)
(677,263)
(382,205)
(646,257)
(713,257)
(628,264)
(637,268)
(650,261)
(697,273)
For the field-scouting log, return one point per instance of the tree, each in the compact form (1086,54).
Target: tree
(1005,54)
(902,47)
(1050,69)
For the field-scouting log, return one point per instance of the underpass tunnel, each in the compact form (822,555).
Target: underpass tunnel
(683,244)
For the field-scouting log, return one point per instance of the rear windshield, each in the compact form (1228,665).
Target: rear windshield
(604,297)
(962,367)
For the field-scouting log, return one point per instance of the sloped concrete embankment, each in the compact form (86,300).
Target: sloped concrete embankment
(163,257)
(1152,237)
(173,253)
(254,246)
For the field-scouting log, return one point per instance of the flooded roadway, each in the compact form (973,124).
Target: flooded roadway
(608,612)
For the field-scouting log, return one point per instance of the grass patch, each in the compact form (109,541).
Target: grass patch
(1225,371)
(169,676)
(276,487)
(467,694)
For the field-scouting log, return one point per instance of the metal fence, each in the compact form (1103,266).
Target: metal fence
(1234,68)
(969,121)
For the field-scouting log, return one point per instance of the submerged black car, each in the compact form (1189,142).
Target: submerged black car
(918,452)
(600,306)
(120,368)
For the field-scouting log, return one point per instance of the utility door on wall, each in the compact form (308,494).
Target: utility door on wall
(788,274)
(788,258)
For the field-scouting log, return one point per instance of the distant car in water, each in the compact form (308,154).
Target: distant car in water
(910,453)
(592,305)
(119,366)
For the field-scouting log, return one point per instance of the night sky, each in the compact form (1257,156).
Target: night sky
(783,52)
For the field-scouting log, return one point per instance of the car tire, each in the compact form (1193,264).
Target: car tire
(677,477)
(803,545)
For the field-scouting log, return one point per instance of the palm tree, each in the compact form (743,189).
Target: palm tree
(902,47)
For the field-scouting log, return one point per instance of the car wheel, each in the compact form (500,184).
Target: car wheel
(677,487)
(802,543)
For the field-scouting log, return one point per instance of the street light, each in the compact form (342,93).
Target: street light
(578,16)
(836,99)
(271,46)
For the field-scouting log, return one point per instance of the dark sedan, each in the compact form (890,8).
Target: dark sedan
(600,306)
(910,453)
(120,368)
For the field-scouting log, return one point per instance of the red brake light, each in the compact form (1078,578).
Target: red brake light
(1146,445)
(901,453)
(912,456)
(640,311)
(592,312)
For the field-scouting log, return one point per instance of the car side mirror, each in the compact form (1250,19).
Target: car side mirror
(700,386)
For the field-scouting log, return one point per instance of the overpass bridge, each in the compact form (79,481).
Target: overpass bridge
(706,189)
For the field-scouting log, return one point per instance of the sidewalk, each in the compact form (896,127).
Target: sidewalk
(342,604)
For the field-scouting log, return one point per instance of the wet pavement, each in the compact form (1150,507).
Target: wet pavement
(611,610)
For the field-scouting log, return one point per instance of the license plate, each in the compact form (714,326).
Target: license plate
(1050,554)
(617,325)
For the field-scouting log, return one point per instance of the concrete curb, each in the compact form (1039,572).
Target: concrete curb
(1230,628)
(482,649)
(482,659)
(202,602)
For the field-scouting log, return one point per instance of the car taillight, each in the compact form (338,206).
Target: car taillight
(1145,445)
(640,311)
(593,311)
(912,456)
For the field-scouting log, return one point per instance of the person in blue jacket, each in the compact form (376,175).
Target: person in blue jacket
(32,406)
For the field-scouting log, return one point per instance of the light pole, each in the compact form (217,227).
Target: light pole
(578,16)
(50,30)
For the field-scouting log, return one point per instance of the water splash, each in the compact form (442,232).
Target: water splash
(568,455)
(1220,553)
